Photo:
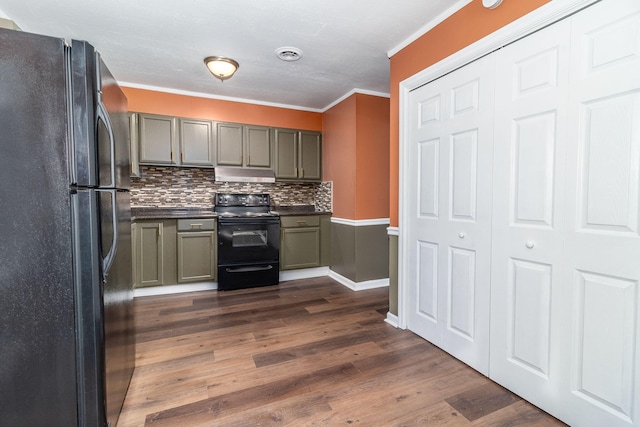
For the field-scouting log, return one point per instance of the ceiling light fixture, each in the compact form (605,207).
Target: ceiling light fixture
(491,4)
(221,67)
(288,53)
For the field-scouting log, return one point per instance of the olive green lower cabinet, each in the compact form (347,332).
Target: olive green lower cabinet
(154,253)
(197,256)
(169,252)
(305,241)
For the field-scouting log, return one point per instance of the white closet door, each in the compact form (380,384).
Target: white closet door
(451,155)
(602,269)
(528,227)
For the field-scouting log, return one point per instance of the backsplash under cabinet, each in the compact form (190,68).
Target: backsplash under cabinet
(195,187)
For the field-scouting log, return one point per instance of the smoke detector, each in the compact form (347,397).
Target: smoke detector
(288,53)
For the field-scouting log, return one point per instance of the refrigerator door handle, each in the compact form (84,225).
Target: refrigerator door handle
(107,261)
(101,113)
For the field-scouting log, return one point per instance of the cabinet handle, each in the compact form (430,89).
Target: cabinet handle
(301,173)
(160,231)
(529,244)
(295,171)
(181,157)
(301,222)
(171,156)
(461,235)
(196,225)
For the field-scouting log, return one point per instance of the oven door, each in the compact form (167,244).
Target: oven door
(246,241)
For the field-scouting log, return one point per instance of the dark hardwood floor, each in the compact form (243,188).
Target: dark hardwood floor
(303,353)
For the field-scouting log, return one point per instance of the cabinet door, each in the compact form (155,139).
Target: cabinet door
(149,254)
(229,144)
(196,257)
(196,143)
(286,149)
(158,140)
(310,156)
(300,248)
(258,150)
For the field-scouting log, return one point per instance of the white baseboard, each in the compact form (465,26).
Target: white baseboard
(392,319)
(358,286)
(304,273)
(174,289)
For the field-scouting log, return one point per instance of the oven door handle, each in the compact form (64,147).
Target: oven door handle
(248,269)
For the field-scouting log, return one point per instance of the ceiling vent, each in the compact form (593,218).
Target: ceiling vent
(289,54)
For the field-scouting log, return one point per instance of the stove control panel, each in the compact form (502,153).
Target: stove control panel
(234,199)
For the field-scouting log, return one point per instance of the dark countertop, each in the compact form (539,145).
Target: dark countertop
(171,213)
(290,210)
(288,213)
(143,213)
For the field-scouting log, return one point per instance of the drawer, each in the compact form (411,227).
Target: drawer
(196,224)
(300,221)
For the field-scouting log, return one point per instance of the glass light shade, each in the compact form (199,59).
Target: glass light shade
(221,67)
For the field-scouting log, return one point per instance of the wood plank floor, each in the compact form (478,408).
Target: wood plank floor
(303,353)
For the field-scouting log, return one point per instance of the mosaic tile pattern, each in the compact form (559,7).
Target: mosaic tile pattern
(160,186)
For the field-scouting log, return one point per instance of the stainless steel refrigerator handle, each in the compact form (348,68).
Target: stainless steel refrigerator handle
(104,116)
(107,262)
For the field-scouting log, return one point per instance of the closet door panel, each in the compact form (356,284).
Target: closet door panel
(466,247)
(451,155)
(424,271)
(533,174)
(602,271)
(528,214)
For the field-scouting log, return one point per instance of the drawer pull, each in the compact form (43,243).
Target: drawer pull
(196,225)
(248,269)
(301,222)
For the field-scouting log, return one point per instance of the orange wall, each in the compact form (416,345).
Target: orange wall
(356,148)
(466,26)
(372,163)
(147,101)
(339,155)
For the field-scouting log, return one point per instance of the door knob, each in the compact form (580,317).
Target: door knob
(529,244)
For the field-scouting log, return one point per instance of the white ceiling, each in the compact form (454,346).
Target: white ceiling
(161,44)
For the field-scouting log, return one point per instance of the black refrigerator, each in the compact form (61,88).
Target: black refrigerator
(66,298)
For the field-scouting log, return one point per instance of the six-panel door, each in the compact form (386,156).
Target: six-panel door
(451,128)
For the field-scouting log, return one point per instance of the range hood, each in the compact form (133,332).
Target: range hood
(222,174)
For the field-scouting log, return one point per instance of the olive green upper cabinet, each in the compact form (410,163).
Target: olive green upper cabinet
(258,148)
(298,155)
(168,140)
(310,156)
(196,143)
(157,139)
(229,144)
(286,148)
(244,146)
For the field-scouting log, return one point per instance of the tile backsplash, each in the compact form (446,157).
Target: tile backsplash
(160,186)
